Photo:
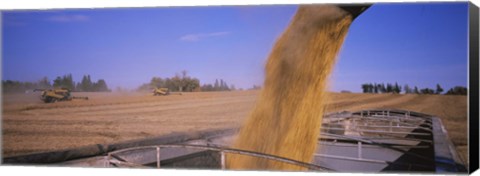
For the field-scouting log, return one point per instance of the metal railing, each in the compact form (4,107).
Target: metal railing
(222,150)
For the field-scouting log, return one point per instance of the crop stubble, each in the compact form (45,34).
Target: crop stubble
(62,125)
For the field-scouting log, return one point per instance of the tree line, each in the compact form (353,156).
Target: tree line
(86,85)
(18,86)
(65,81)
(381,88)
(396,88)
(184,83)
(177,83)
(218,86)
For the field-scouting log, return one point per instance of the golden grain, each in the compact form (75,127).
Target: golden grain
(286,119)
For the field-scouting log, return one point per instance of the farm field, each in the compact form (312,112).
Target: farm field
(29,125)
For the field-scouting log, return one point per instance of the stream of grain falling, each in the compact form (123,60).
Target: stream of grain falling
(287,116)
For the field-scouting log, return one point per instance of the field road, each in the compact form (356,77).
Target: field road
(29,125)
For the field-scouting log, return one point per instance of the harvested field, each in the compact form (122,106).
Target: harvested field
(29,125)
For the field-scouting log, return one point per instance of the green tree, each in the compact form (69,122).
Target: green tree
(207,87)
(86,83)
(58,82)
(157,82)
(439,89)
(191,84)
(179,82)
(365,88)
(396,88)
(457,90)
(427,91)
(389,88)
(68,82)
(176,83)
(101,86)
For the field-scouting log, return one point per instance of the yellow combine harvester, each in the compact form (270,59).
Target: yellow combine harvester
(54,95)
(160,91)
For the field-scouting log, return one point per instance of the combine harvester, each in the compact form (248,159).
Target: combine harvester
(364,141)
(164,92)
(54,95)
(161,91)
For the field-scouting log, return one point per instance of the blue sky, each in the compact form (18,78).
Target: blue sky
(415,44)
